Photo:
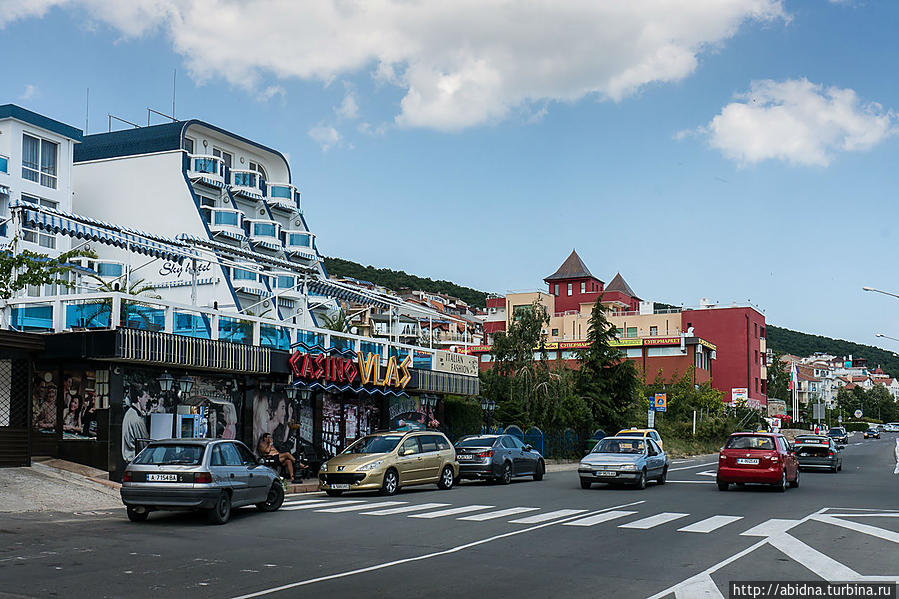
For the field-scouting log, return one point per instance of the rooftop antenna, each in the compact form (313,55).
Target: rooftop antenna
(174,76)
(87,109)
(112,116)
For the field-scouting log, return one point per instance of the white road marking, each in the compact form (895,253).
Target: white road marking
(694,466)
(407,560)
(599,518)
(822,565)
(693,482)
(881,533)
(452,511)
(547,516)
(498,514)
(653,521)
(771,527)
(708,473)
(402,510)
(304,501)
(364,506)
(309,506)
(700,586)
(710,524)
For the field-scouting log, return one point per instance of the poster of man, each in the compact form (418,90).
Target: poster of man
(43,401)
(141,399)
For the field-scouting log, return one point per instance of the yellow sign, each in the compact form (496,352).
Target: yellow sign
(396,375)
(626,343)
(705,343)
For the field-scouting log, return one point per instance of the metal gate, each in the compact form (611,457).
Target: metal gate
(15,448)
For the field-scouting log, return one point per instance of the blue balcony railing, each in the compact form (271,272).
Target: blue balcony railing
(31,318)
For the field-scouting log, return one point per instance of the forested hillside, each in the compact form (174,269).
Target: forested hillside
(395,279)
(786,341)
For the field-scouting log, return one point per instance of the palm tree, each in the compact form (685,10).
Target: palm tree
(132,310)
(337,323)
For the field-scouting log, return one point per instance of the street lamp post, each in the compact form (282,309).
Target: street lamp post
(489,406)
(167,385)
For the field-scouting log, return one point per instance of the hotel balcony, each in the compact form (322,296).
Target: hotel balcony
(209,170)
(299,243)
(246,183)
(265,233)
(226,222)
(283,196)
(4,164)
(286,285)
(248,280)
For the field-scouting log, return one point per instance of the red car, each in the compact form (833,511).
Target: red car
(764,458)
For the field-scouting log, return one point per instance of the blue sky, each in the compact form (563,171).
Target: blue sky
(738,150)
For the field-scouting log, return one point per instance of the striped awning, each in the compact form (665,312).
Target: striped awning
(328,289)
(82,227)
(242,253)
(268,245)
(250,290)
(303,253)
(208,181)
(4,190)
(230,235)
(253,195)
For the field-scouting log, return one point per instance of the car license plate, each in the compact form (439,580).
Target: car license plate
(162,478)
(340,486)
(748,461)
(606,473)
(464,457)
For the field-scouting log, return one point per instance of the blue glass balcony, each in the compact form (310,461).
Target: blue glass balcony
(142,316)
(310,339)
(244,178)
(4,164)
(274,337)
(188,324)
(341,344)
(228,218)
(296,239)
(208,165)
(280,191)
(264,230)
(421,360)
(32,318)
(235,330)
(367,347)
(92,315)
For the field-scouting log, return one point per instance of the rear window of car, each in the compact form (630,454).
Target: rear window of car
(836,431)
(477,442)
(428,443)
(171,454)
(750,442)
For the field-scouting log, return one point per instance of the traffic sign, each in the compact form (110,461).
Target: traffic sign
(857,413)
(661,402)
(650,418)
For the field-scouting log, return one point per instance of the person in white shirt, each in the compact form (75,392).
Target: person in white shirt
(134,424)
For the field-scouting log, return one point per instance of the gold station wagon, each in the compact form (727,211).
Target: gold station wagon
(390,460)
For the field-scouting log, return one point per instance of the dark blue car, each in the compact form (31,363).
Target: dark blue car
(497,458)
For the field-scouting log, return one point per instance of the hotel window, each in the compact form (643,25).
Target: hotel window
(763,332)
(299,240)
(555,332)
(285,282)
(583,287)
(264,230)
(225,156)
(631,332)
(204,201)
(39,160)
(756,385)
(653,331)
(239,274)
(110,269)
(221,217)
(755,328)
(255,166)
(188,145)
(569,288)
(32,234)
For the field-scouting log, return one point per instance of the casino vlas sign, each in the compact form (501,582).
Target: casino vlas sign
(338,369)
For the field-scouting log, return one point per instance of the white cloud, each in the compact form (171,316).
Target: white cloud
(327,137)
(459,64)
(349,108)
(270,92)
(30,91)
(798,122)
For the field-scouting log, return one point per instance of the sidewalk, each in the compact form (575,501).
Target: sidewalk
(56,486)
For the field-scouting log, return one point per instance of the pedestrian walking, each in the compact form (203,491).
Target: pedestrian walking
(896,469)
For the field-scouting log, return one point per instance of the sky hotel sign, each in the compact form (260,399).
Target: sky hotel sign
(337,369)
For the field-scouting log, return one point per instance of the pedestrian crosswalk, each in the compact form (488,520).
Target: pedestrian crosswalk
(637,517)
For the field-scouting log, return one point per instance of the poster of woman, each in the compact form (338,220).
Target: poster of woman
(43,401)
(79,404)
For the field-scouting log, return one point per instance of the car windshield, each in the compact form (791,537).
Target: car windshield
(872,430)
(476,442)
(618,445)
(750,442)
(375,444)
(163,455)
(835,431)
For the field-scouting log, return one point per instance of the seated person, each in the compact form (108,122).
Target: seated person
(266,447)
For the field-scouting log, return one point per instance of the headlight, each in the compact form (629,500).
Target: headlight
(370,466)
(628,467)
(323,467)
(586,466)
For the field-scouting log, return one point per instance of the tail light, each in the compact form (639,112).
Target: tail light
(202,477)
(830,453)
(126,477)
(486,454)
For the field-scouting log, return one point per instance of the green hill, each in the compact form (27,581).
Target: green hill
(786,341)
(396,279)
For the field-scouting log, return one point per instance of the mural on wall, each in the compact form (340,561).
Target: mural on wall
(289,422)
(407,413)
(83,394)
(44,391)
(215,401)
(344,421)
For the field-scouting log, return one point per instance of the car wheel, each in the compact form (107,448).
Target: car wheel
(221,513)
(391,483)
(506,477)
(641,481)
(274,499)
(541,469)
(664,477)
(585,483)
(723,486)
(840,467)
(782,485)
(794,484)
(138,514)
(332,493)
(447,479)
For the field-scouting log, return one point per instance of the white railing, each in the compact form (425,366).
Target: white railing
(110,311)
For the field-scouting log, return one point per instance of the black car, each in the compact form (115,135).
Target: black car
(497,458)
(839,435)
(872,433)
(817,451)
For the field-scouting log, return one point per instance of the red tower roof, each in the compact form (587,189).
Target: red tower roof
(572,268)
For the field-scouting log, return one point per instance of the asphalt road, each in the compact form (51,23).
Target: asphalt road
(684,539)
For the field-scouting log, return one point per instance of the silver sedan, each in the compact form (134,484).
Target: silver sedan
(624,460)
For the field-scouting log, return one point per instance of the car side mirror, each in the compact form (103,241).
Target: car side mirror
(403,452)
(528,447)
(260,461)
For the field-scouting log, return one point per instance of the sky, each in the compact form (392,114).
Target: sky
(736,150)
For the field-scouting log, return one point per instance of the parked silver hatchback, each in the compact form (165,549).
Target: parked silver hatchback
(198,474)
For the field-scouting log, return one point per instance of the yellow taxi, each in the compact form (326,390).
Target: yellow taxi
(642,432)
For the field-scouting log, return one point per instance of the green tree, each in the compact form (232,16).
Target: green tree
(778,379)
(609,382)
(19,270)
(337,323)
